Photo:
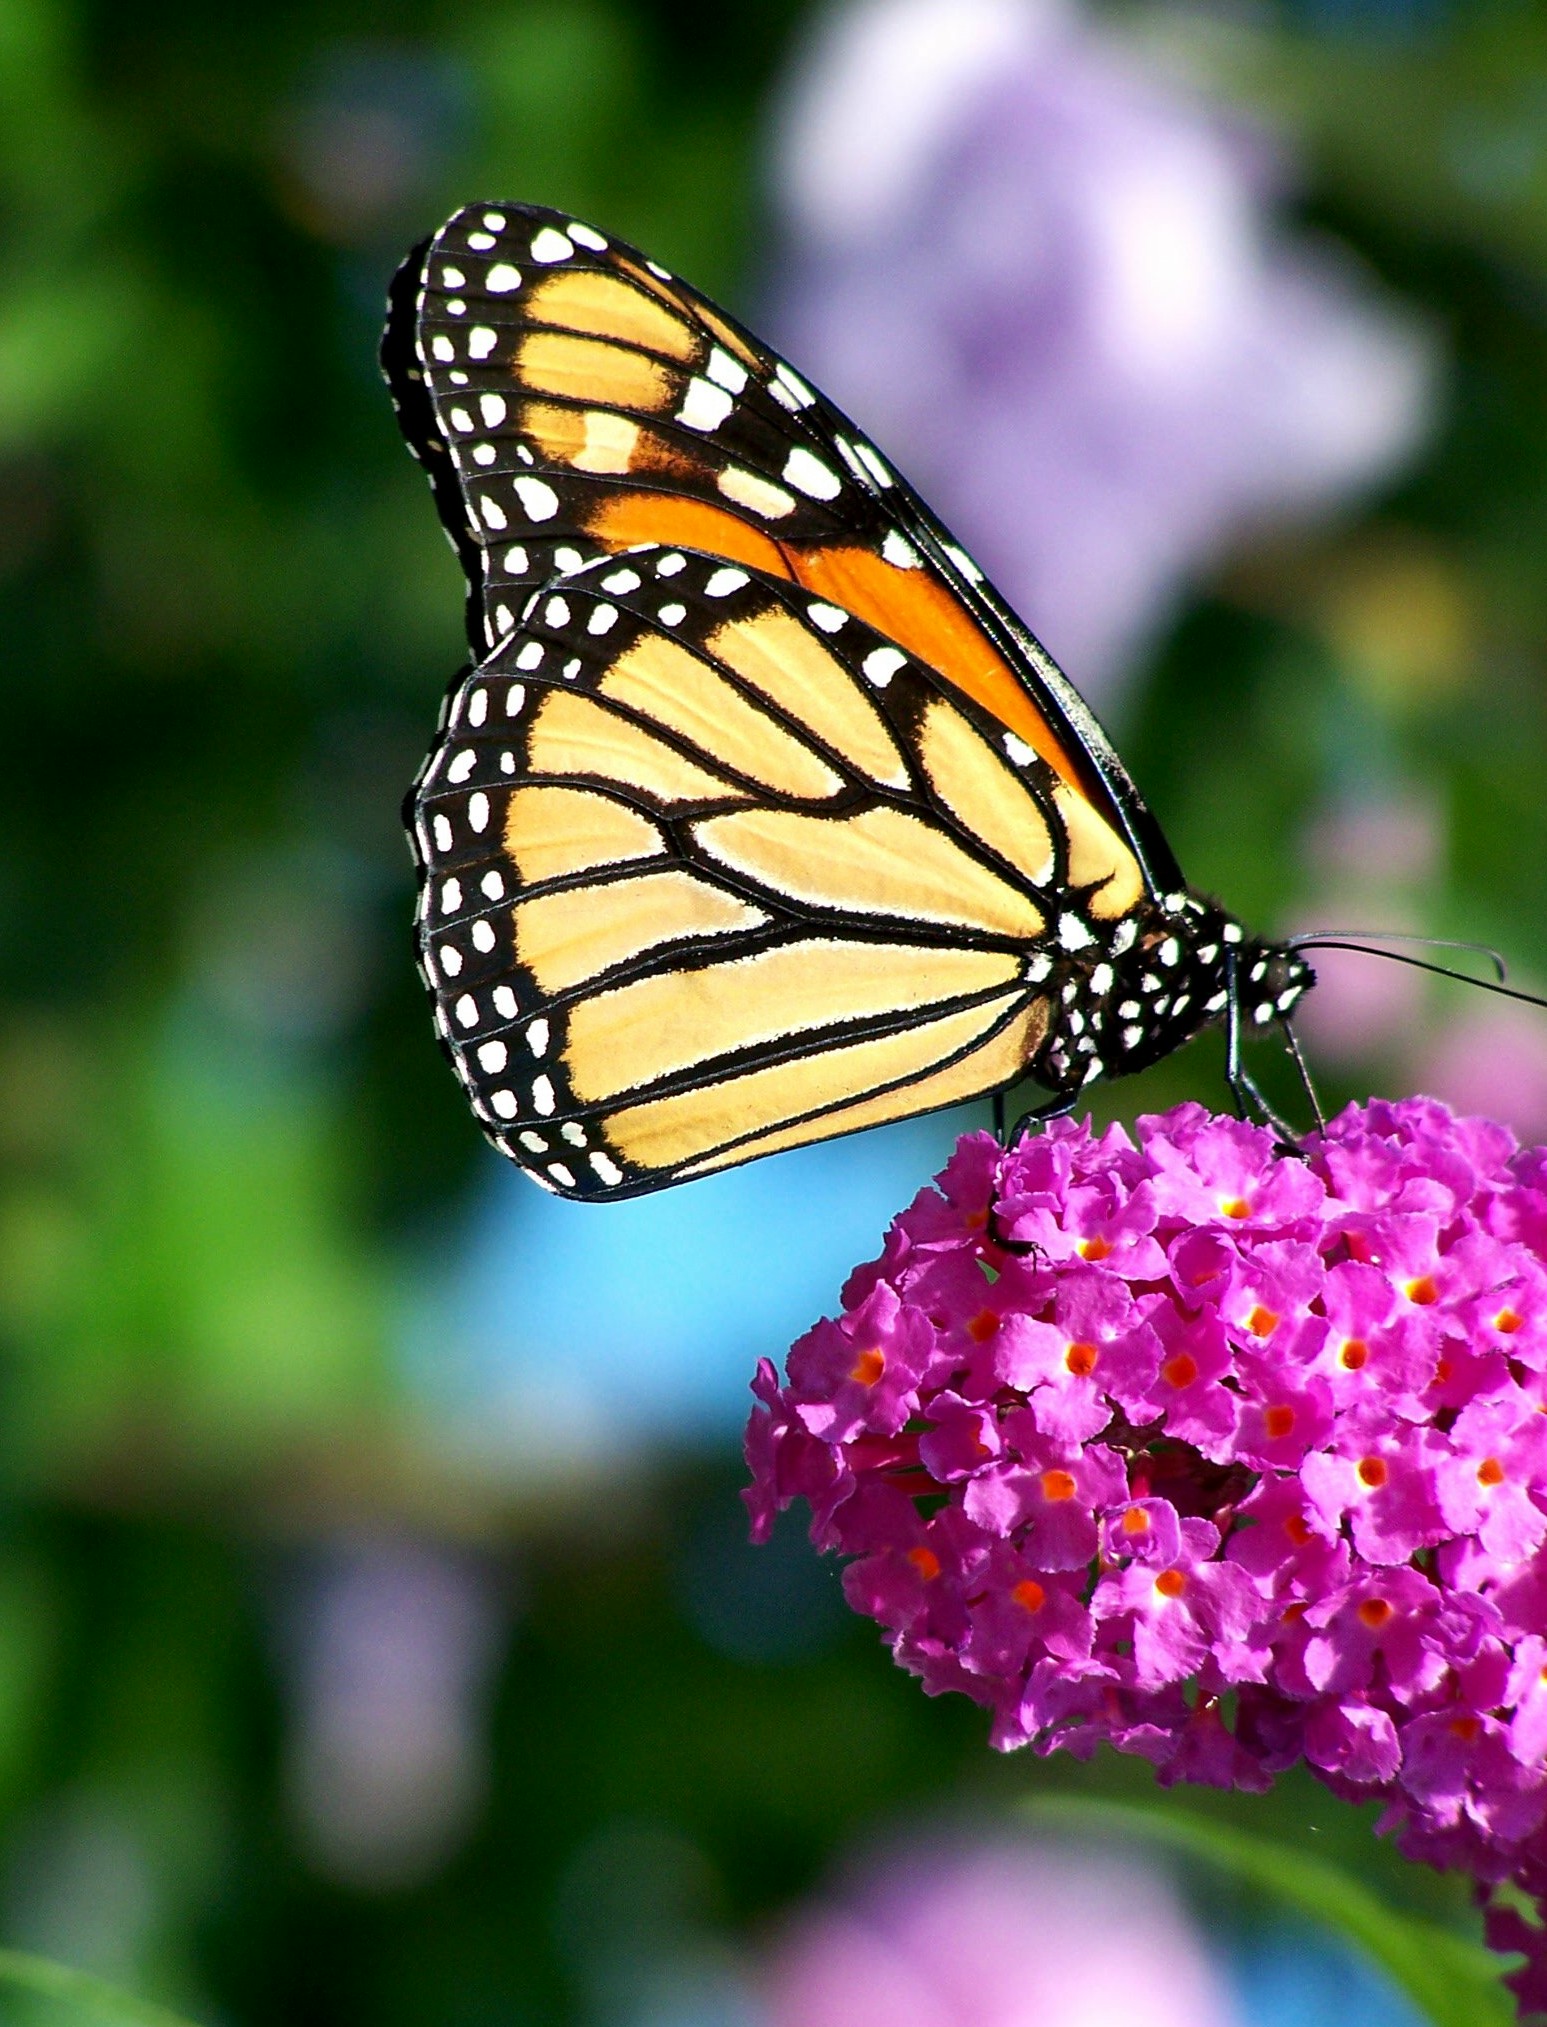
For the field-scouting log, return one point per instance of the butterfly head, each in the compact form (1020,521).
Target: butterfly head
(1167,974)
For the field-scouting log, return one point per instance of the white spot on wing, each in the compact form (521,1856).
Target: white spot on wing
(1018,750)
(466,1010)
(442,348)
(810,476)
(722,582)
(607,1169)
(704,406)
(481,341)
(556,613)
(880,472)
(542,1095)
(881,664)
(537,1037)
(503,1103)
(747,489)
(492,408)
(549,246)
(621,581)
(478,811)
(502,278)
(587,236)
(602,620)
(492,1056)
(538,499)
(899,551)
(672,615)
(830,618)
(793,385)
(491,513)
(529,657)
(725,371)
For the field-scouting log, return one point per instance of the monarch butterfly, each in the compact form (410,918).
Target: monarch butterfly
(759,817)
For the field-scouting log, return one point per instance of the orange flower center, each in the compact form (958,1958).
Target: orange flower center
(1423,1291)
(1374,1613)
(1298,1529)
(1093,1248)
(1081,1359)
(1354,1353)
(1509,1321)
(1262,1322)
(1373,1472)
(1030,1594)
(1057,1486)
(868,1367)
(926,1562)
(1490,1472)
(1465,1728)
(1171,1583)
(1279,1421)
(1236,1207)
(1180,1371)
(1136,1521)
(983,1326)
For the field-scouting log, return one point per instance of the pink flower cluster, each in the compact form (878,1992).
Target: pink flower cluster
(1216,1454)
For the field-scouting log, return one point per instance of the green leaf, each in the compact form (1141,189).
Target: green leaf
(83,1997)
(1453,1981)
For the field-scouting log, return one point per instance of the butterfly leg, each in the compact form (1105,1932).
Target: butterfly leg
(1243,1087)
(1297,1056)
(999,1117)
(1055,1108)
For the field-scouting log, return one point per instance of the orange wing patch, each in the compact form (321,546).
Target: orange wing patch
(924,616)
(625,519)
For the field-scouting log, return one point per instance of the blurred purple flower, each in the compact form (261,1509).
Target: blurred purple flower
(997,1935)
(392,1650)
(1491,1058)
(1269,1487)
(1372,862)
(1049,282)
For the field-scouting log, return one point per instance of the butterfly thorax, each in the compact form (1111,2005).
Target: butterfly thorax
(1165,975)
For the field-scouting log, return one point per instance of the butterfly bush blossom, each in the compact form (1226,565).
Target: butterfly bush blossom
(1213,1454)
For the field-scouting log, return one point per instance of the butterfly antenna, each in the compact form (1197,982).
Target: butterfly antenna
(1347,938)
(1422,964)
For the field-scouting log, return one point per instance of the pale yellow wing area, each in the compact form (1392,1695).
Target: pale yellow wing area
(590,370)
(551,832)
(993,1063)
(780,658)
(637,1033)
(573,734)
(576,934)
(978,788)
(879,862)
(1097,853)
(664,681)
(671,1132)
(606,306)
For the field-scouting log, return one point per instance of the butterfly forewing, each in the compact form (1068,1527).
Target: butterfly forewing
(572,400)
(710,867)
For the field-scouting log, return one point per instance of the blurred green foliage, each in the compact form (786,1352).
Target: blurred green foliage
(224,1129)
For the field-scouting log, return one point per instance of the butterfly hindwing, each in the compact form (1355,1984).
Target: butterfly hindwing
(571,400)
(710,867)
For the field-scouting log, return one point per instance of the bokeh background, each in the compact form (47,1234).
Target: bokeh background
(378,1638)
